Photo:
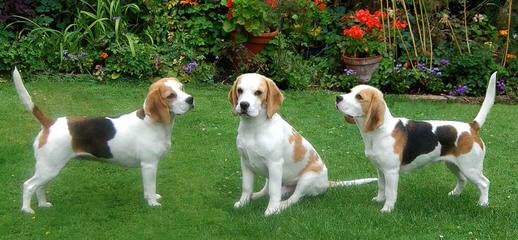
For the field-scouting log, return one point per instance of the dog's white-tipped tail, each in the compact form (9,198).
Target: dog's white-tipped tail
(22,91)
(489,100)
(352,182)
(27,101)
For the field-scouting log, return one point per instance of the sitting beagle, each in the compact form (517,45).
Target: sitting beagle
(137,139)
(270,147)
(399,145)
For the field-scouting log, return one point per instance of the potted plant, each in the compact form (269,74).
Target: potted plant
(253,23)
(363,43)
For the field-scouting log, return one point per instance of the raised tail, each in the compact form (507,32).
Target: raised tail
(27,101)
(352,182)
(488,101)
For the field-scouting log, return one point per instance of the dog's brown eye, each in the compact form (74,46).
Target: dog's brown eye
(239,91)
(171,96)
(359,97)
(258,93)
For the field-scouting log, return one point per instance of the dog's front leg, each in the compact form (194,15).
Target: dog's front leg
(149,179)
(391,184)
(247,186)
(275,187)
(381,188)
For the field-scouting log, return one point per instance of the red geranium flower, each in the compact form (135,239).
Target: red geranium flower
(104,55)
(373,22)
(362,15)
(273,3)
(229,5)
(400,24)
(321,6)
(380,14)
(355,32)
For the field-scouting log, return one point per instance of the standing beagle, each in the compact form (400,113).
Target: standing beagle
(270,147)
(137,139)
(399,145)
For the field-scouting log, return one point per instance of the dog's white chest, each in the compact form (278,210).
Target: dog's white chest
(253,155)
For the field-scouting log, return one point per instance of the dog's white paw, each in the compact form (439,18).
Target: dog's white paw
(378,199)
(28,210)
(386,209)
(153,203)
(244,200)
(483,204)
(45,205)
(272,210)
(241,203)
(158,196)
(454,193)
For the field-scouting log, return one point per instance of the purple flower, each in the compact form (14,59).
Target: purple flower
(98,67)
(444,62)
(460,90)
(421,66)
(190,67)
(348,71)
(500,86)
(116,18)
(81,54)
(516,87)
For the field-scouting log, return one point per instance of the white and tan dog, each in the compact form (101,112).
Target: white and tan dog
(399,145)
(270,147)
(137,139)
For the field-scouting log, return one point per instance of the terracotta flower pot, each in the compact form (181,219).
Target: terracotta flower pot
(256,43)
(364,67)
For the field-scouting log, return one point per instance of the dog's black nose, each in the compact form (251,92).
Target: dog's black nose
(339,99)
(244,105)
(189,100)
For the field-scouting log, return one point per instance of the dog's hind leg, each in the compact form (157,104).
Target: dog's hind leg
(45,171)
(310,183)
(42,197)
(471,166)
(461,179)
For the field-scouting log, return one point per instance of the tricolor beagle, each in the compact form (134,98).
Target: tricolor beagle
(270,147)
(399,145)
(137,139)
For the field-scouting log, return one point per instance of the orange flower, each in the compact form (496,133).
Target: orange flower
(406,65)
(503,32)
(104,55)
(510,56)
(189,2)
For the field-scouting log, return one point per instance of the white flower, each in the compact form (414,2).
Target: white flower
(479,17)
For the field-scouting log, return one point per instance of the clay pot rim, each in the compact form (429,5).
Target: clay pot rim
(266,34)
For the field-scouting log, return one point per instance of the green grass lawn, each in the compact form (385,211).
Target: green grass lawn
(200,178)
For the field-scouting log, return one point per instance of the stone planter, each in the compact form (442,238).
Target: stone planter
(364,67)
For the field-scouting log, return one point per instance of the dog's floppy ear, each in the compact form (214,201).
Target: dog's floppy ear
(232,94)
(376,112)
(156,106)
(274,98)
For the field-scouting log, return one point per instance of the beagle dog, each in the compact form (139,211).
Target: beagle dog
(270,147)
(137,139)
(399,145)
